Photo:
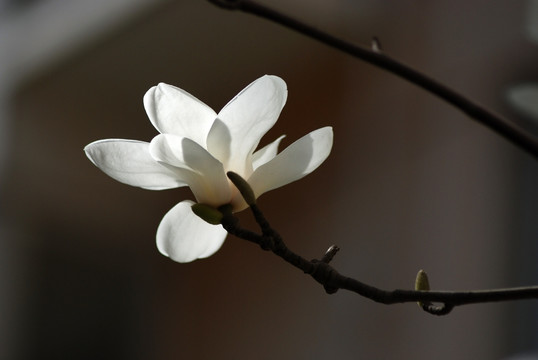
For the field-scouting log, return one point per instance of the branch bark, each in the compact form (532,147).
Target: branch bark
(502,126)
(269,239)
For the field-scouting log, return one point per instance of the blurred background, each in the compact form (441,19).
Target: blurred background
(411,183)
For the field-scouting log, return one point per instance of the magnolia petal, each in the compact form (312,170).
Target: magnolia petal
(203,173)
(175,111)
(184,237)
(296,161)
(129,162)
(244,120)
(266,153)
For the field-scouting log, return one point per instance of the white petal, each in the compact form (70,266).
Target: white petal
(203,173)
(266,153)
(174,111)
(244,120)
(184,237)
(297,160)
(129,162)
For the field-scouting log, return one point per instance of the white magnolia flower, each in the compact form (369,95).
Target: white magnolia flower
(196,147)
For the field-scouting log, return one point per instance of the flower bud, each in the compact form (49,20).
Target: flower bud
(243,187)
(207,213)
(422,283)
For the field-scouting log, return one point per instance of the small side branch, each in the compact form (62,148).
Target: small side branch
(332,281)
(376,57)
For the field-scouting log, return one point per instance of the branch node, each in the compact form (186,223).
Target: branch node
(267,243)
(376,45)
(324,274)
(329,289)
(329,254)
(423,284)
(438,310)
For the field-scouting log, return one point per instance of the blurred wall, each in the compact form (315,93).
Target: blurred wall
(411,183)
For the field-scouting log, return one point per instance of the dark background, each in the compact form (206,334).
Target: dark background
(411,183)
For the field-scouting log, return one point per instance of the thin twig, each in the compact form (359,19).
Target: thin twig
(332,281)
(374,56)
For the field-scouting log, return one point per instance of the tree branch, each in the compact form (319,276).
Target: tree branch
(332,281)
(376,57)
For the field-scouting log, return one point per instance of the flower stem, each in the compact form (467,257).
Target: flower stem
(332,281)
